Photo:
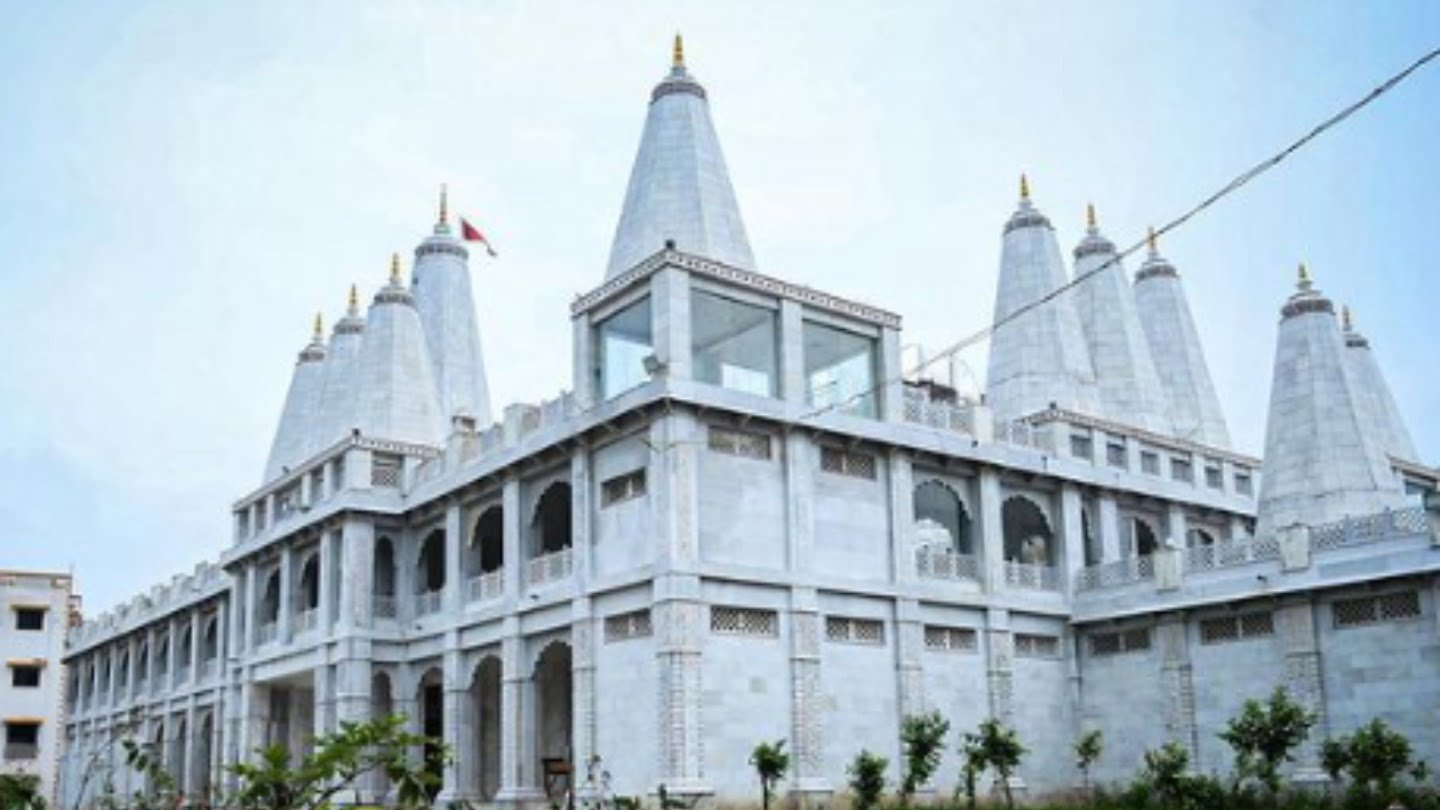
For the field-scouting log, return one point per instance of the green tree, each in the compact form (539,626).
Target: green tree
(1378,755)
(1001,749)
(1335,758)
(1165,771)
(20,791)
(1088,748)
(336,762)
(922,741)
(972,764)
(1263,736)
(867,779)
(771,762)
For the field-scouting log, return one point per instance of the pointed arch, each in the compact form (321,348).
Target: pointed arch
(941,520)
(550,523)
(1027,533)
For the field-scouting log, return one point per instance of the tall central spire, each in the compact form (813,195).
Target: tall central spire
(679,187)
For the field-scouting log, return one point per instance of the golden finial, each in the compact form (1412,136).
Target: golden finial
(354,298)
(395,269)
(444,204)
(1151,241)
(1024,187)
(1304,274)
(1345,317)
(1090,214)
(319,328)
(677,52)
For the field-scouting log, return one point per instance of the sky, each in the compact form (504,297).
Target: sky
(183,185)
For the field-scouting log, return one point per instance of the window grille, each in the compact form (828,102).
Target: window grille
(1253,625)
(1180,470)
(1371,609)
(739,443)
(1120,641)
(1221,629)
(738,621)
(1115,455)
(623,487)
(385,471)
(854,631)
(1149,462)
(847,462)
(951,639)
(1081,446)
(625,626)
(1028,645)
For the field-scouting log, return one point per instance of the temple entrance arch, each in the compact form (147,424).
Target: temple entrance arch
(553,718)
(485,688)
(431,702)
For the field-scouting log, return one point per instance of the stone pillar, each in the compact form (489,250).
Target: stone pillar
(172,656)
(807,712)
(328,562)
(453,598)
(583,358)
(513,546)
(1107,524)
(670,309)
(991,529)
(581,519)
(799,463)
(324,709)
(793,386)
(357,574)
(678,662)
(1072,533)
(188,778)
(459,730)
(909,652)
(515,787)
(902,517)
(1177,680)
(890,394)
(1176,526)
(584,630)
(999,665)
(196,642)
(285,621)
(1298,637)
(245,640)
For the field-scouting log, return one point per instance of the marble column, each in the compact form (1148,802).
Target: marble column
(1177,680)
(992,530)
(807,712)
(1296,625)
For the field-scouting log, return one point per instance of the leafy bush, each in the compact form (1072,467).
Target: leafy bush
(922,741)
(867,779)
(1264,735)
(20,791)
(771,762)
(1088,748)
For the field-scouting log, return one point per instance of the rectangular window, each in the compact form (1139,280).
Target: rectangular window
(1115,454)
(738,621)
(1213,477)
(733,345)
(1182,470)
(25,676)
(951,639)
(739,443)
(22,740)
(624,346)
(847,462)
(854,631)
(625,626)
(1243,484)
(623,487)
(1149,462)
(386,470)
(1081,446)
(840,370)
(1372,609)
(1120,641)
(29,618)
(1029,645)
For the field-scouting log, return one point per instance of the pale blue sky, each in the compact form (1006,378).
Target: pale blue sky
(182,185)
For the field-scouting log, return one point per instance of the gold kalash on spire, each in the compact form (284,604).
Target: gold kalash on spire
(677,52)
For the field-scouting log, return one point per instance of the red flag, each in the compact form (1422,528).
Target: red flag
(470,233)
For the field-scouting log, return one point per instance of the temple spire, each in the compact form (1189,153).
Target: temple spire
(677,52)
(1090,216)
(1024,187)
(319,334)
(1374,402)
(395,269)
(353,305)
(444,206)
(1152,242)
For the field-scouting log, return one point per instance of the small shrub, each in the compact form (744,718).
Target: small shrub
(922,741)
(1165,771)
(1263,736)
(867,779)
(1378,755)
(1001,749)
(771,762)
(1088,748)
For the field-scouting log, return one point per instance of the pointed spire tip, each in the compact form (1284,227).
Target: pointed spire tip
(444,205)
(677,51)
(395,269)
(1024,187)
(1152,241)
(1090,214)
(319,327)
(1347,318)
(354,302)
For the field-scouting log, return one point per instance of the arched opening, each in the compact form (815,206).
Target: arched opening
(432,724)
(122,672)
(142,665)
(204,756)
(270,599)
(187,644)
(487,543)
(430,567)
(104,680)
(550,526)
(1089,538)
(1028,538)
(1140,537)
(210,643)
(941,522)
(1196,538)
(157,753)
(382,704)
(485,698)
(383,571)
(175,766)
(310,583)
(553,718)
(162,660)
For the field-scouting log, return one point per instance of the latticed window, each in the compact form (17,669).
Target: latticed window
(1372,609)
(625,626)
(385,471)
(738,621)
(1030,645)
(1120,641)
(623,487)
(847,462)
(854,631)
(951,639)
(739,443)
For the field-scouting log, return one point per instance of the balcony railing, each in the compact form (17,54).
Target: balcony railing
(385,607)
(307,620)
(1033,577)
(1115,574)
(1230,553)
(208,668)
(182,673)
(922,409)
(15,752)
(550,567)
(428,603)
(1369,529)
(267,633)
(933,563)
(487,586)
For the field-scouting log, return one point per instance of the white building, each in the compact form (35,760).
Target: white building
(744,523)
(35,610)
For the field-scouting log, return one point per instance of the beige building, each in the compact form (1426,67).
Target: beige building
(35,608)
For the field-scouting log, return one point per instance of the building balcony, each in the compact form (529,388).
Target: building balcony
(933,563)
(21,752)
(267,633)
(208,668)
(307,620)
(428,603)
(552,567)
(1116,574)
(1032,577)
(386,607)
(486,587)
(182,674)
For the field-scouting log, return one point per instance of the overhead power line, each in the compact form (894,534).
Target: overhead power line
(1226,190)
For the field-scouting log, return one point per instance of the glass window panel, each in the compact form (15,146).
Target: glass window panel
(733,344)
(840,370)
(623,341)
